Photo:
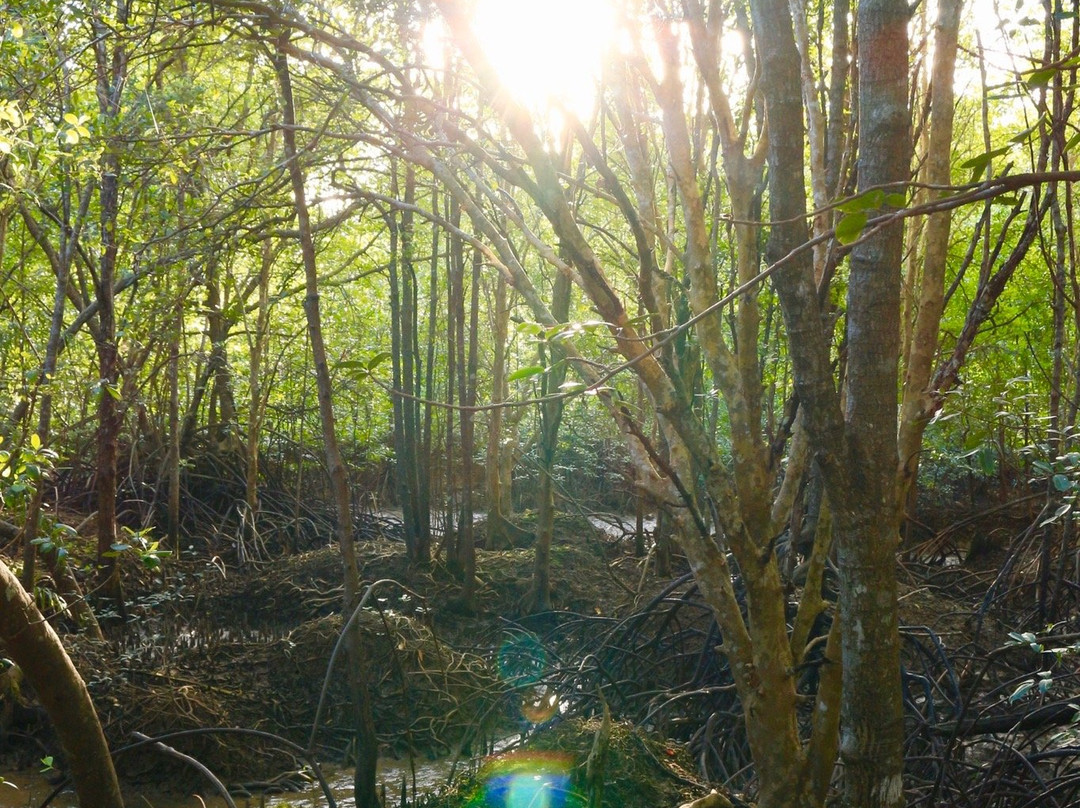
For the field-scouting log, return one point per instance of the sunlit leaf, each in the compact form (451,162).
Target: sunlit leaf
(525,373)
(850,227)
(863,202)
(1060,512)
(1021,691)
(529,329)
(1040,78)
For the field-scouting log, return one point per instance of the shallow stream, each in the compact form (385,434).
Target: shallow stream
(28,789)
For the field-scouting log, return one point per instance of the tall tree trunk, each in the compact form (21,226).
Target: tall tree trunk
(867,520)
(48,366)
(111,79)
(455,370)
(367,744)
(857,451)
(173,462)
(408,438)
(498,493)
(551,413)
(468,362)
(917,405)
(255,392)
(222,417)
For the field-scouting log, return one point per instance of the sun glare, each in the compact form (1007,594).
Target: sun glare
(547,50)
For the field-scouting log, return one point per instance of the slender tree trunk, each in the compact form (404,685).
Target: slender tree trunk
(466,549)
(222,417)
(551,413)
(111,79)
(48,369)
(455,369)
(255,392)
(409,464)
(917,405)
(408,439)
(173,468)
(367,744)
(497,494)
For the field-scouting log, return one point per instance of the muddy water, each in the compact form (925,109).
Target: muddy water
(29,790)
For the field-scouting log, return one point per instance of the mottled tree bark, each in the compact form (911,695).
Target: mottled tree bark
(33,645)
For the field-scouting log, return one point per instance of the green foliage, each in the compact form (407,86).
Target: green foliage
(1042,681)
(143,545)
(22,471)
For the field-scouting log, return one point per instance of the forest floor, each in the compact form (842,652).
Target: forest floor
(210,648)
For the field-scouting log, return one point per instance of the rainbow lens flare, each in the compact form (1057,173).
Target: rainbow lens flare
(527,780)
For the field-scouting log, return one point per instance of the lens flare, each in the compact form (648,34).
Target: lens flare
(527,780)
(539,705)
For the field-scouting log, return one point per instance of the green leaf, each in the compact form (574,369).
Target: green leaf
(1026,638)
(525,373)
(529,329)
(1061,482)
(1040,78)
(1022,137)
(1060,512)
(850,227)
(979,162)
(1021,691)
(863,202)
(378,359)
